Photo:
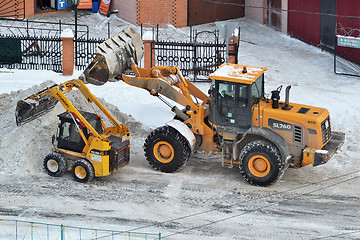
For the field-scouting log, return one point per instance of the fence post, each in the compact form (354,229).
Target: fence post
(233,51)
(67,37)
(149,52)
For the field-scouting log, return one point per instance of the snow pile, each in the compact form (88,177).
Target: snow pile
(23,148)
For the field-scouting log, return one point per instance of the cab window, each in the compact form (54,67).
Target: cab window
(257,89)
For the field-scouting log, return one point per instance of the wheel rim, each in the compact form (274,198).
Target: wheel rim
(164,152)
(52,165)
(259,166)
(80,172)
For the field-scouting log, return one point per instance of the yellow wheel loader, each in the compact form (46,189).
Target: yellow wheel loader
(262,136)
(83,144)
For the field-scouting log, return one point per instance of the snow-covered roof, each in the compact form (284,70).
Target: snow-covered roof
(237,73)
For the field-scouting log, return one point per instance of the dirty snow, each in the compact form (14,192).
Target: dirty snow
(203,200)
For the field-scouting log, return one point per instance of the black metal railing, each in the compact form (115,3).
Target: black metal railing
(195,60)
(85,51)
(36,53)
(17,27)
(196,56)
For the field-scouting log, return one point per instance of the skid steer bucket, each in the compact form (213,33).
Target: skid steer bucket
(30,109)
(113,58)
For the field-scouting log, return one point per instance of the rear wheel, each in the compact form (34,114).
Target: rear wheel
(54,164)
(260,163)
(166,149)
(82,171)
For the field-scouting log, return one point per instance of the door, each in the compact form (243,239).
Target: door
(200,12)
(69,137)
(232,107)
(327,24)
(274,14)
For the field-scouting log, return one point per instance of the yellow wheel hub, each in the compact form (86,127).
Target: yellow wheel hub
(80,172)
(259,166)
(164,152)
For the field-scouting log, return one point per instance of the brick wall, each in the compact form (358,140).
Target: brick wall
(126,8)
(29,8)
(12,9)
(162,12)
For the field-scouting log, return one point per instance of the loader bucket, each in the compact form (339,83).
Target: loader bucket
(113,58)
(29,109)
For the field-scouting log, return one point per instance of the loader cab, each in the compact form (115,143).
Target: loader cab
(234,92)
(68,137)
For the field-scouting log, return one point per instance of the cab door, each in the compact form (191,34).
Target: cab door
(69,137)
(232,106)
(243,108)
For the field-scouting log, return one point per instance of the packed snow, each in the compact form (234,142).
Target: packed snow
(139,198)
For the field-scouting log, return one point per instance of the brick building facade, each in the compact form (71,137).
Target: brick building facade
(179,13)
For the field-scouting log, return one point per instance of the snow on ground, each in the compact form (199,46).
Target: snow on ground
(217,203)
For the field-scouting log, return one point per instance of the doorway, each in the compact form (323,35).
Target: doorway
(327,24)
(273,18)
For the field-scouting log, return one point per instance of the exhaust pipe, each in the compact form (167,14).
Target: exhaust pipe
(287,107)
(275,97)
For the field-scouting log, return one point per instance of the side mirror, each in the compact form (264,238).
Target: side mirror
(211,91)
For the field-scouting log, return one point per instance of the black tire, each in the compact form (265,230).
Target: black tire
(82,170)
(261,164)
(54,164)
(166,149)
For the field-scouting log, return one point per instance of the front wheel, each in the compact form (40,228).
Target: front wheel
(260,163)
(82,171)
(166,149)
(54,164)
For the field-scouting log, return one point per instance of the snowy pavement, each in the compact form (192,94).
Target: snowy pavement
(203,200)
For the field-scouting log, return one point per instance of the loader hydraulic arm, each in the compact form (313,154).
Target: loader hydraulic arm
(45,102)
(167,81)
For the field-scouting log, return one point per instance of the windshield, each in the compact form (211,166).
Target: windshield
(96,124)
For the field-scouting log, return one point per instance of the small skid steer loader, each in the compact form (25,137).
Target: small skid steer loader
(83,144)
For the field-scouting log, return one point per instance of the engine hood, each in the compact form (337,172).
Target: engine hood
(311,123)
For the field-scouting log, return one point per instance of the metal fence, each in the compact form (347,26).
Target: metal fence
(37,45)
(26,52)
(16,230)
(195,60)
(343,66)
(16,27)
(85,51)
(349,39)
